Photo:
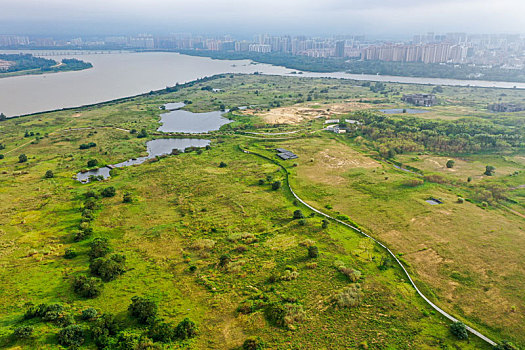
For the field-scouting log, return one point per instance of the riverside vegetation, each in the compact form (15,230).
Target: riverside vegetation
(24,64)
(208,248)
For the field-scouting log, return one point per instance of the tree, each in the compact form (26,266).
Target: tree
(489,170)
(105,327)
(127,198)
(49,174)
(143,309)
(22,158)
(108,192)
(298,214)
(23,332)
(313,252)
(87,287)
(324,223)
(276,185)
(2,117)
(459,330)
(88,314)
(186,329)
(223,165)
(142,134)
(72,335)
(162,332)
(91,163)
(99,247)
(450,163)
(108,268)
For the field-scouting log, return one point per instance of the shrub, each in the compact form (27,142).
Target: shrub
(142,134)
(459,330)
(23,332)
(461,200)
(90,194)
(1,156)
(313,252)
(186,329)
(505,345)
(108,192)
(51,312)
(203,244)
(223,165)
(276,185)
(352,274)
(87,287)
(143,309)
(261,182)
(246,238)
(99,247)
(414,182)
(489,170)
(450,163)
(224,260)
(70,253)
(22,158)
(298,214)
(252,344)
(89,314)
(127,198)
(84,233)
(302,222)
(72,335)
(91,163)
(349,297)
(103,329)
(289,275)
(162,332)
(90,203)
(49,174)
(108,268)
(324,223)
(286,315)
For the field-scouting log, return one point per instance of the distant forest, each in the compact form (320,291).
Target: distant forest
(332,64)
(26,62)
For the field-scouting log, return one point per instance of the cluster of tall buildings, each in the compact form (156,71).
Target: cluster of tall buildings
(503,49)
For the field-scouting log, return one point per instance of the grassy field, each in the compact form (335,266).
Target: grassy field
(220,246)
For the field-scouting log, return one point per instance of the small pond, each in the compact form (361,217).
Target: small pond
(155,148)
(400,111)
(178,120)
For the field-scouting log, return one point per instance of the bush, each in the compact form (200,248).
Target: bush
(223,165)
(352,274)
(91,163)
(70,253)
(276,185)
(298,214)
(450,163)
(461,200)
(313,252)
(162,332)
(99,247)
(324,223)
(186,329)
(505,345)
(72,335)
(349,297)
(459,330)
(23,332)
(49,174)
(51,312)
(87,287)
(22,158)
(83,233)
(289,275)
(89,314)
(252,344)
(489,170)
(142,134)
(108,192)
(108,268)
(143,309)
(103,329)
(286,315)
(127,198)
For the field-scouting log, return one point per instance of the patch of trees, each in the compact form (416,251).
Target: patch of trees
(397,135)
(87,145)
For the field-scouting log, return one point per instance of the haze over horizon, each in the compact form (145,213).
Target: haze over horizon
(381,18)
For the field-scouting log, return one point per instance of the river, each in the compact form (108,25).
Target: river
(120,74)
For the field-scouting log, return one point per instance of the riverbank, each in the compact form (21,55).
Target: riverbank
(354,66)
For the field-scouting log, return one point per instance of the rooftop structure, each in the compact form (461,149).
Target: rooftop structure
(426,100)
(284,154)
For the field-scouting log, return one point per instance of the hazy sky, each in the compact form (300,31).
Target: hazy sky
(374,17)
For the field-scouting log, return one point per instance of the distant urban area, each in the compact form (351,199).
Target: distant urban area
(505,51)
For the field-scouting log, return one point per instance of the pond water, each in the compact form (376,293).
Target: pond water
(192,123)
(400,111)
(155,148)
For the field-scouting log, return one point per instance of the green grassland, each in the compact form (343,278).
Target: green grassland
(215,243)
